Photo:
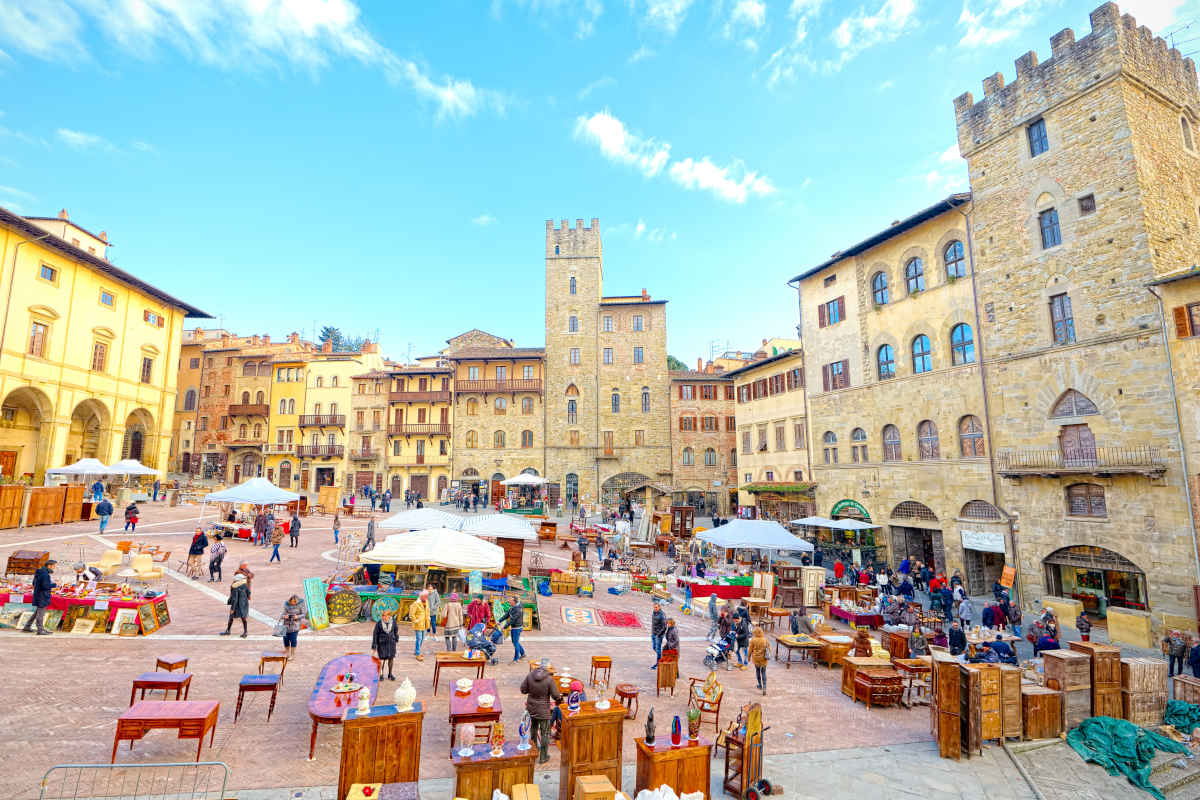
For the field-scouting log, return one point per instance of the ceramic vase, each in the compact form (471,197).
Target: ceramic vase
(693,718)
(405,696)
(523,730)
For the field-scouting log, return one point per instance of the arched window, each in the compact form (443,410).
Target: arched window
(886,362)
(572,278)
(333,408)
(962,344)
(980,509)
(317,409)
(616,402)
(320,381)
(927,440)
(189,400)
(829,440)
(242,429)
(1186,128)
(1073,404)
(956,264)
(472,439)
(472,407)
(573,324)
(249,369)
(858,445)
(500,405)
(572,414)
(688,458)
(333,381)
(1086,500)
(282,405)
(526,438)
(526,405)
(733,457)
(914,275)
(245,398)
(499,440)
(879,289)
(572,391)
(970,437)
(891,443)
(645,399)
(920,354)
(259,397)
(258,430)
(292,406)
(710,457)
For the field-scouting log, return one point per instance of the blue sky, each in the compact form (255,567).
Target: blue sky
(391,165)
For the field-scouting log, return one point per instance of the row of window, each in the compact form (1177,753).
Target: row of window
(970,442)
(688,457)
(798,438)
(606,355)
(607,324)
(473,374)
(705,391)
(710,423)
(471,440)
(39,345)
(953,263)
(499,406)
(779,383)
(769,475)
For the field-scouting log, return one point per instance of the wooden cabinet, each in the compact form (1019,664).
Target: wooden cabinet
(46,505)
(685,768)
(591,745)
(514,550)
(72,504)
(12,497)
(1041,709)
(1010,701)
(979,704)
(1068,668)
(944,706)
(475,776)
(382,747)
(1105,673)
(852,665)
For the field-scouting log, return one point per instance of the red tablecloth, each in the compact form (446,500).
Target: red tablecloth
(724,592)
(870,620)
(61,603)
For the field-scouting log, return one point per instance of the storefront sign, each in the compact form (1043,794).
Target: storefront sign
(1008,576)
(987,541)
(850,506)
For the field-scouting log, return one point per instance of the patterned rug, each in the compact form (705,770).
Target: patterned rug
(620,619)
(579,616)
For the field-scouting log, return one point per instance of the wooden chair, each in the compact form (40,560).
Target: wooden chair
(705,704)
(161,556)
(668,672)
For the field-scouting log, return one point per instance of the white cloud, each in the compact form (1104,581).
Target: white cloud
(618,144)
(232,35)
(950,155)
(79,140)
(666,15)
(1154,14)
(144,147)
(784,63)
(883,87)
(734,182)
(1000,21)
(639,229)
(861,31)
(750,13)
(641,54)
(599,83)
(584,12)
(484,220)
(11,191)
(653,235)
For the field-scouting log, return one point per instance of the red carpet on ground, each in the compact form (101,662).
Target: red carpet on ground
(620,619)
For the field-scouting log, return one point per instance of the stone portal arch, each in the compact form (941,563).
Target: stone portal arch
(610,490)
(26,434)
(138,440)
(91,424)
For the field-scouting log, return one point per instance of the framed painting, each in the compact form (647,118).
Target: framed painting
(147,618)
(75,611)
(52,618)
(83,625)
(99,618)
(123,617)
(129,629)
(161,613)
(26,618)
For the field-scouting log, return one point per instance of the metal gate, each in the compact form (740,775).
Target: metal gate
(185,780)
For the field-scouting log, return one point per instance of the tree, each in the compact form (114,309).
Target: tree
(332,335)
(674,363)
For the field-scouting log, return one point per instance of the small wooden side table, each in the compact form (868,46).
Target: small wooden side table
(600,664)
(686,768)
(179,682)
(477,775)
(454,659)
(257,683)
(627,693)
(171,662)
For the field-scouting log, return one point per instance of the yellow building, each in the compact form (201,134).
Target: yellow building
(286,409)
(88,352)
(328,402)
(419,430)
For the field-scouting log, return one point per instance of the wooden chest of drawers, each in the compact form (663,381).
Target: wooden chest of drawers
(878,686)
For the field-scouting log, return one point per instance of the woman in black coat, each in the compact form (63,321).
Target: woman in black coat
(239,603)
(383,642)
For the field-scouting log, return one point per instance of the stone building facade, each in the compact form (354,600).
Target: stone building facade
(607,405)
(419,417)
(703,440)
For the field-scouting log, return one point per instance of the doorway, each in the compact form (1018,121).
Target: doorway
(983,570)
(419,484)
(920,544)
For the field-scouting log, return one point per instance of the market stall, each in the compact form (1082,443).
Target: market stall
(510,532)
(526,494)
(78,609)
(837,535)
(258,493)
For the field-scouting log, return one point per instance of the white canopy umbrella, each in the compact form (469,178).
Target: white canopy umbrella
(813,522)
(131,466)
(419,519)
(84,466)
(836,524)
(525,479)
(499,526)
(438,547)
(256,491)
(756,534)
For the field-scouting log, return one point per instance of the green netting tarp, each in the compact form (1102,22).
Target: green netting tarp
(1121,748)
(1184,716)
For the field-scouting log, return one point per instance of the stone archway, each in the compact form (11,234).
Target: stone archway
(138,442)
(612,488)
(26,435)
(1106,576)
(89,432)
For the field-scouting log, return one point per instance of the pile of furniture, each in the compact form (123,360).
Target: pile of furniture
(972,703)
(1105,673)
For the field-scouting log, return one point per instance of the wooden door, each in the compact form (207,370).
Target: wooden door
(8,463)
(591,745)
(303,478)
(421,451)
(73,504)
(1078,445)
(363,478)
(441,489)
(608,443)
(237,473)
(397,486)
(11,498)
(420,484)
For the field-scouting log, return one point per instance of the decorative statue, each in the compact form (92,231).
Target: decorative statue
(523,730)
(650,727)
(405,695)
(364,701)
(466,738)
(676,732)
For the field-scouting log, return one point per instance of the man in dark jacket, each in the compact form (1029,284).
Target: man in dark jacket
(658,629)
(957,639)
(41,597)
(542,695)
(516,624)
(104,510)
(294,530)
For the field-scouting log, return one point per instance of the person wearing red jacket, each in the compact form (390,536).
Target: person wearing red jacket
(839,569)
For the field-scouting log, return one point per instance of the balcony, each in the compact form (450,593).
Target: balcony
(249,410)
(322,420)
(1144,460)
(279,448)
(258,444)
(320,450)
(420,429)
(523,385)
(365,453)
(419,397)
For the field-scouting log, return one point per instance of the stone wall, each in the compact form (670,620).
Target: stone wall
(698,476)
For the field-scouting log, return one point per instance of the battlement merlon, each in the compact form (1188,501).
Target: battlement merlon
(1116,44)
(575,241)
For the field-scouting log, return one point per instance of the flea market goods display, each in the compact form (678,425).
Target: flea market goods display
(1042,712)
(77,609)
(972,703)
(1105,672)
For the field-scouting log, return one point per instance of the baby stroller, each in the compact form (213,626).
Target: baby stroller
(718,652)
(476,640)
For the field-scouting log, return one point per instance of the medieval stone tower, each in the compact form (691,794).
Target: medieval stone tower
(607,415)
(1085,180)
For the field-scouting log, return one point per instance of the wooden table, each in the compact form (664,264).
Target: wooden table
(181,682)
(808,647)
(452,660)
(911,669)
(327,708)
(171,662)
(974,641)
(464,707)
(895,642)
(257,683)
(851,666)
(834,648)
(774,615)
(26,562)
(192,718)
(476,776)
(384,791)
(758,606)
(685,769)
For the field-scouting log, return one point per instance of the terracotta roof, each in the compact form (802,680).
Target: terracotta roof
(693,375)
(632,301)
(418,370)
(467,353)
(71,251)
(762,362)
(1194,272)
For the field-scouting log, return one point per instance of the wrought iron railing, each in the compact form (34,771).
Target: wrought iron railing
(320,450)
(323,420)
(1098,459)
(420,428)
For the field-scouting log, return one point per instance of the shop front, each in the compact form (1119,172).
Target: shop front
(857,547)
(916,534)
(782,501)
(1097,578)
(983,559)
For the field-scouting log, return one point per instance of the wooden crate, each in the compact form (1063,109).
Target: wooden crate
(1140,675)
(1106,703)
(1105,663)
(979,705)
(1187,689)
(1010,701)
(1143,708)
(1077,706)
(1068,668)
(1041,711)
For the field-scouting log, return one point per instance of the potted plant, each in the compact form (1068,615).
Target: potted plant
(693,719)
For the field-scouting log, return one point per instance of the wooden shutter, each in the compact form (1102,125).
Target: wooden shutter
(681,391)
(825,376)
(841,301)
(822,316)
(1183,323)
(845,379)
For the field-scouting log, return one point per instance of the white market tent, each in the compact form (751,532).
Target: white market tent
(439,547)
(525,479)
(84,466)
(754,534)
(130,466)
(836,524)
(418,519)
(256,491)
(499,526)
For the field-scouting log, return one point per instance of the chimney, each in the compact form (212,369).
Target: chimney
(104,236)
(370,347)
(293,338)
(645,296)
(764,344)
(699,364)
(198,333)
(266,339)
(225,340)
(327,346)
(254,339)
(63,214)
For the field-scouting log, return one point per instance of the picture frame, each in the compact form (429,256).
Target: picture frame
(161,613)
(26,618)
(74,612)
(83,625)
(99,617)
(52,618)
(147,618)
(129,629)
(124,616)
